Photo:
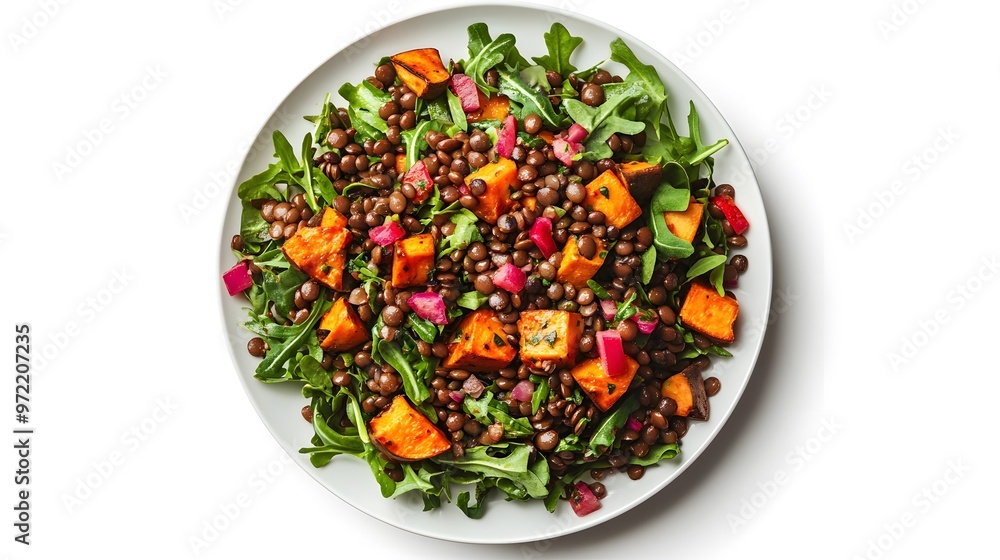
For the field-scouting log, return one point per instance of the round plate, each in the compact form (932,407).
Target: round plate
(349,478)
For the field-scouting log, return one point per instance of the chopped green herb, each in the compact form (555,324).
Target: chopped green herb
(551,338)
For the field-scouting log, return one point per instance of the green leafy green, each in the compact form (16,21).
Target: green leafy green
(560,45)
(606,430)
(253,227)
(413,384)
(465,234)
(280,289)
(705,264)
(525,100)
(472,300)
(483,57)
(648,264)
(656,454)
(291,339)
(513,466)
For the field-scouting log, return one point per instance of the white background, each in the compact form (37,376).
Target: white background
(865,431)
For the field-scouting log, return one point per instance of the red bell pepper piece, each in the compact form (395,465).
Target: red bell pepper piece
(732,213)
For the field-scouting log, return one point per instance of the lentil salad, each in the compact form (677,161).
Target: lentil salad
(419,219)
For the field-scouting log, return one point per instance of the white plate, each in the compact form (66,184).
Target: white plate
(350,479)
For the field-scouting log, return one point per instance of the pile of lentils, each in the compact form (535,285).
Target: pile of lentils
(449,159)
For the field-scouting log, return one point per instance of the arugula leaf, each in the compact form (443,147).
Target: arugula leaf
(606,119)
(483,489)
(607,428)
(599,290)
(364,96)
(333,441)
(656,454)
(513,467)
(307,177)
(285,154)
(253,227)
(674,193)
(705,264)
(625,309)
(488,56)
(472,300)
(534,76)
(465,234)
(457,114)
(413,384)
(648,264)
(560,45)
(717,278)
(367,125)
(479,408)
(646,77)
(540,396)
(271,368)
(415,141)
(701,151)
(425,329)
(412,481)
(261,185)
(280,288)
(668,245)
(526,100)
(437,109)
(314,374)
(323,123)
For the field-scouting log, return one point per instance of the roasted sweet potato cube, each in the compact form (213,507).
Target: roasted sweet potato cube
(403,433)
(687,388)
(577,270)
(413,261)
(332,218)
(480,344)
(347,330)
(609,195)
(685,224)
(492,108)
(320,252)
(641,178)
(422,71)
(601,388)
(705,311)
(501,182)
(548,334)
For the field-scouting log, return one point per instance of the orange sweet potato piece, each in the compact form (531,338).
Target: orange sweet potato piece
(577,270)
(332,218)
(413,261)
(347,330)
(401,165)
(705,311)
(422,71)
(548,136)
(687,388)
(548,334)
(608,194)
(529,202)
(501,182)
(641,178)
(480,344)
(406,434)
(685,224)
(495,107)
(601,388)
(320,252)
